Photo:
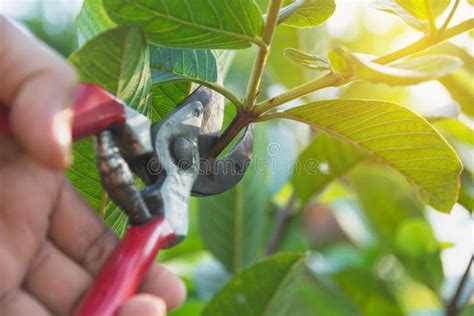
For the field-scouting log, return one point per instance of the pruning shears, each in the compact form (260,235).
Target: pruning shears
(172,157)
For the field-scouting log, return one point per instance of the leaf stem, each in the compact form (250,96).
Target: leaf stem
(332,80)
(453,306)
(431,18)
(450,16)
(226,93)
(261,60)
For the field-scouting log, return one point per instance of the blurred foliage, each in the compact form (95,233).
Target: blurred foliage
(370,246)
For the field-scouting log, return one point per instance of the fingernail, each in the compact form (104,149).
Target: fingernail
(62,133)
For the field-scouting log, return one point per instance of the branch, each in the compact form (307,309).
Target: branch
(453,308)
(282,223)
(431,18)
(448,19)
(331,79)
(261,60)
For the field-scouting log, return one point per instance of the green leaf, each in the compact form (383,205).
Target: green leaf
(307,60)
(117,60)
(92,20)
(391,6)
(307,13)
(406,72)
(371,295)
(396,217)
(261,289)
(466,195)
(325,159)
(419,9)
(174,63)
(454,130)
(166,95)
(393,135)
(192,24)
(469,309)
(230,223)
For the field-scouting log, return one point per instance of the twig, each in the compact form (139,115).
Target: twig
(261,60)
(448,19)
(332,79)
(453,308)
(431,18)
(283,220)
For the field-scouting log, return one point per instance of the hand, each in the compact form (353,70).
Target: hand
(51,242)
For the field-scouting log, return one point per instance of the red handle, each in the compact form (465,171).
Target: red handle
(119,277)
(93,111)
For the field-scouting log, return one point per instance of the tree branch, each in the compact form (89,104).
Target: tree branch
(261,60)
(331,79)
(282,223)
(453,306)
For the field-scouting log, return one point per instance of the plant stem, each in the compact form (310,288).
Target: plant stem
(226,93)
(282,222)
(453,306)
(261,60)
(431,18)
(331,79)
(450,16)
(240,121)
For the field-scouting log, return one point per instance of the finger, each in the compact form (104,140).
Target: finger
(81,234)
(20,303)
(38,90)
(143,305)
(24,213)
(55,280)
(163,283)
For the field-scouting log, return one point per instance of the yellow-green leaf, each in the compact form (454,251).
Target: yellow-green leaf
(406,72)
(213,24)
(392,7)
(393,135)
(307,13)
(306,60)
(419,9)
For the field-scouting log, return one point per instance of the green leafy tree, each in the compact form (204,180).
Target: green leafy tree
(374,156)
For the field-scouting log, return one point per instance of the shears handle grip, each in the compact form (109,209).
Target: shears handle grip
(94,110)
(120,276)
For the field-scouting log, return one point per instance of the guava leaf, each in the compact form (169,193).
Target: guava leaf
(261,289)
(324,160)
(192,24)
(419,8)
(307,60)
(307,13)
(391,6)
(407,72)
(174,63)
(118,61)
(166,95)
(393,135)
(92,20)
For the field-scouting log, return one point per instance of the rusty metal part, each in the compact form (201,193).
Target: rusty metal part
(118,180)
